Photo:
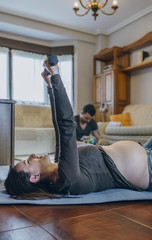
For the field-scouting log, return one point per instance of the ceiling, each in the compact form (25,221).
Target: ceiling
(60,13)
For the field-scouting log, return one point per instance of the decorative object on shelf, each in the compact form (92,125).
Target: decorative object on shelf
(95,6)
(108,67)
(103,109)
(141,56)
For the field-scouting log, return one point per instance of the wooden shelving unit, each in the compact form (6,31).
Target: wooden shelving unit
(141,43)
(138,67)
(113,87)
(107,54)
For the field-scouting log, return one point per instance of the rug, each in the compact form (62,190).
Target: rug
(111,195)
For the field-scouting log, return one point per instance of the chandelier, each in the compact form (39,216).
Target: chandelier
(95,6)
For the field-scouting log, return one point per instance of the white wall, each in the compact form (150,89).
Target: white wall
(45,31)
(131,32)
(141,81)
(101,43)
(141,87)
(83,73)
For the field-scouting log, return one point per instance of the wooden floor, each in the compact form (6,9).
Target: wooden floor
(112,221)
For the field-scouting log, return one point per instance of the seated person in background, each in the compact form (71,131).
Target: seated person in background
(86,125)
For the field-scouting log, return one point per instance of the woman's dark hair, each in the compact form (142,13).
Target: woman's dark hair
(19,182)
(18,185)
(89,108)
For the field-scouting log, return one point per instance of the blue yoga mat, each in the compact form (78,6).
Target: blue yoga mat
(112,195)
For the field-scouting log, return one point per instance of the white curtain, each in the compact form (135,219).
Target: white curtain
(27,83)
(4,73)
(66,71)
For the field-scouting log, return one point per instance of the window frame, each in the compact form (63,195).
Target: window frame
(6,51)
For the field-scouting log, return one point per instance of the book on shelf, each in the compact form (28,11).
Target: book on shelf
(141,56)
(108,67)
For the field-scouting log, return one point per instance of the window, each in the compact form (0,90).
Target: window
(66,72)
(20,71)
(27,83)
(4,73)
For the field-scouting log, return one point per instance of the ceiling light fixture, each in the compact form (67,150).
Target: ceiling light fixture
(94,5)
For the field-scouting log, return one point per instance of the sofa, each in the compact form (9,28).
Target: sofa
(140,129)
(34,132)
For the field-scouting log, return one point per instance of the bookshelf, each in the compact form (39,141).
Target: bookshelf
(138,67)
(113,87)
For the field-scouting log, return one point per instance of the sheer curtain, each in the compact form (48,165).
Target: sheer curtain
(66,71)
(27,83)
(4,73)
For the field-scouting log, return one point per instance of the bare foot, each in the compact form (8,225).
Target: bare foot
(46,79)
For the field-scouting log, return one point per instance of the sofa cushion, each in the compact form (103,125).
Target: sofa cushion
(140,114)
(124,118)
(132,130)
(30,116)
(114,124)
(34,140)
(101,127)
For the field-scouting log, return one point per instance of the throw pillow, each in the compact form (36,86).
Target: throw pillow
(124,118)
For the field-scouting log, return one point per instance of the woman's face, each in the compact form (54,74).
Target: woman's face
(34,164)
